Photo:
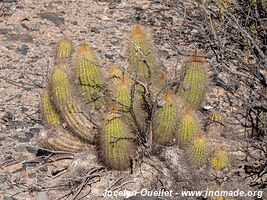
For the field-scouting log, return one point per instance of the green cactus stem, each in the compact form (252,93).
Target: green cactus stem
(189,126)
(48,111)
(117,148)
(89,73)
(123,94)
(219,160)
(68,107)
(64,49)
(198,150)
(61,140)
(193,86)
(166,120)
(141,54)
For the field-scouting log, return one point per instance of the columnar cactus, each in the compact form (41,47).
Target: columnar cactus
(49,113)
(219,160)
(189,126)
(89,74)
(193,86)
(64,50)
(166,120)
(116,146)
(198,150)
(134,94)
(68,106)
(64,140)
(141,54)
(123,94)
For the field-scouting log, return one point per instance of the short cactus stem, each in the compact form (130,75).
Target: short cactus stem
(48,111)
(116,146)
(198,151)
(123,94)
(141,54)
(194,84)
(188,127)
(216,117)
(89,74)
(219,160)
(64,50)
(64,141)
(166,120)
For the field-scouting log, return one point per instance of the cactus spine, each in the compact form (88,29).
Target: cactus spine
(89,74)
(188,127)
(198,151)
(219,159)
(141,54)
(166,120)
(68,106)
(116,147)
(193,86)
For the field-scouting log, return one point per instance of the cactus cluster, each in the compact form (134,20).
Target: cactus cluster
(134,104)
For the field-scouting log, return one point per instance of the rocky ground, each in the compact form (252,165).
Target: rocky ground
(29,31)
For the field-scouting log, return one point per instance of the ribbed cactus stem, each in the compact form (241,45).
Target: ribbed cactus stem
(198,150)
(188,127)
(89,73)
(61,140)
(141,54)
(68,106)
(219,160)
(123,94)
(193,86)
(64,49)
(166,120)
(48,111)
(216,117)
(116,148)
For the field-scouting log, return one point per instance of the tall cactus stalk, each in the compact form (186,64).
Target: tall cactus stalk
(117,148)
(141,54)
(166,120)
(68,106)
(193,86)
(189,126)
(89,73)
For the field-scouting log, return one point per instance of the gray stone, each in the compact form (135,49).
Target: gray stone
(53,17)
(34,130)
(23,49)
